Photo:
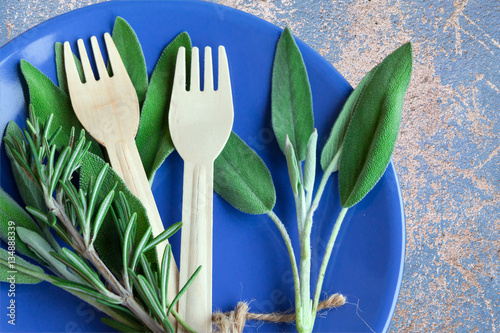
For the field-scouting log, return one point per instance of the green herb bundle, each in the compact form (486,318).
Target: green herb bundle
(67,186)
(107,256)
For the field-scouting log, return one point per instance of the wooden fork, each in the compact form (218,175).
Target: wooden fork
(200,124)
(108,108)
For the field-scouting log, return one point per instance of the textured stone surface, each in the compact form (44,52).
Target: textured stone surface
(448,152)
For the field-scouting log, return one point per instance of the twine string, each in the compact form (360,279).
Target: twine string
(234,321)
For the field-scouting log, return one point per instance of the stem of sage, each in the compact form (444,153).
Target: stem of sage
(306,208)
(305,320)
(326,257)
(291,254)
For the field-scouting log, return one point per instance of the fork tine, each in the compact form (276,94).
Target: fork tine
(70,67)
(195,69)
(180,71)
(101,67)
(224,78)
(87,69)
(117,66)
(209,76)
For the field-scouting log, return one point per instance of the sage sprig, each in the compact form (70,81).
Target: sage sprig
(359,147)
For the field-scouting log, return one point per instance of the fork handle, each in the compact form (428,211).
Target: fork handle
(126,161)
(196,245)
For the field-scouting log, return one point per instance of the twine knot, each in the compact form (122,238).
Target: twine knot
(234,321)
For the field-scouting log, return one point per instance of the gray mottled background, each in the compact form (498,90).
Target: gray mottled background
(448,152)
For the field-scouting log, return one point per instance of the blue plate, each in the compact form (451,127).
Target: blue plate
(250,259)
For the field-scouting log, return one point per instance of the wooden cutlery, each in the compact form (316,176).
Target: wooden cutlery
(200,123)
(108,108)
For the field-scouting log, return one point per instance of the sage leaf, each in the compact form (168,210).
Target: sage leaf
(293,167)
(310,163)
(47,98)
(28,188)
(373,129)
(43,249)
(61,71)
(11,216)
(130,50)
(107,242)
(25,272)
(291,98)
(153,137)
(242,178)
(335,140)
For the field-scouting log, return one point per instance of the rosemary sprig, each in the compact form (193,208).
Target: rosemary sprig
(134,299)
